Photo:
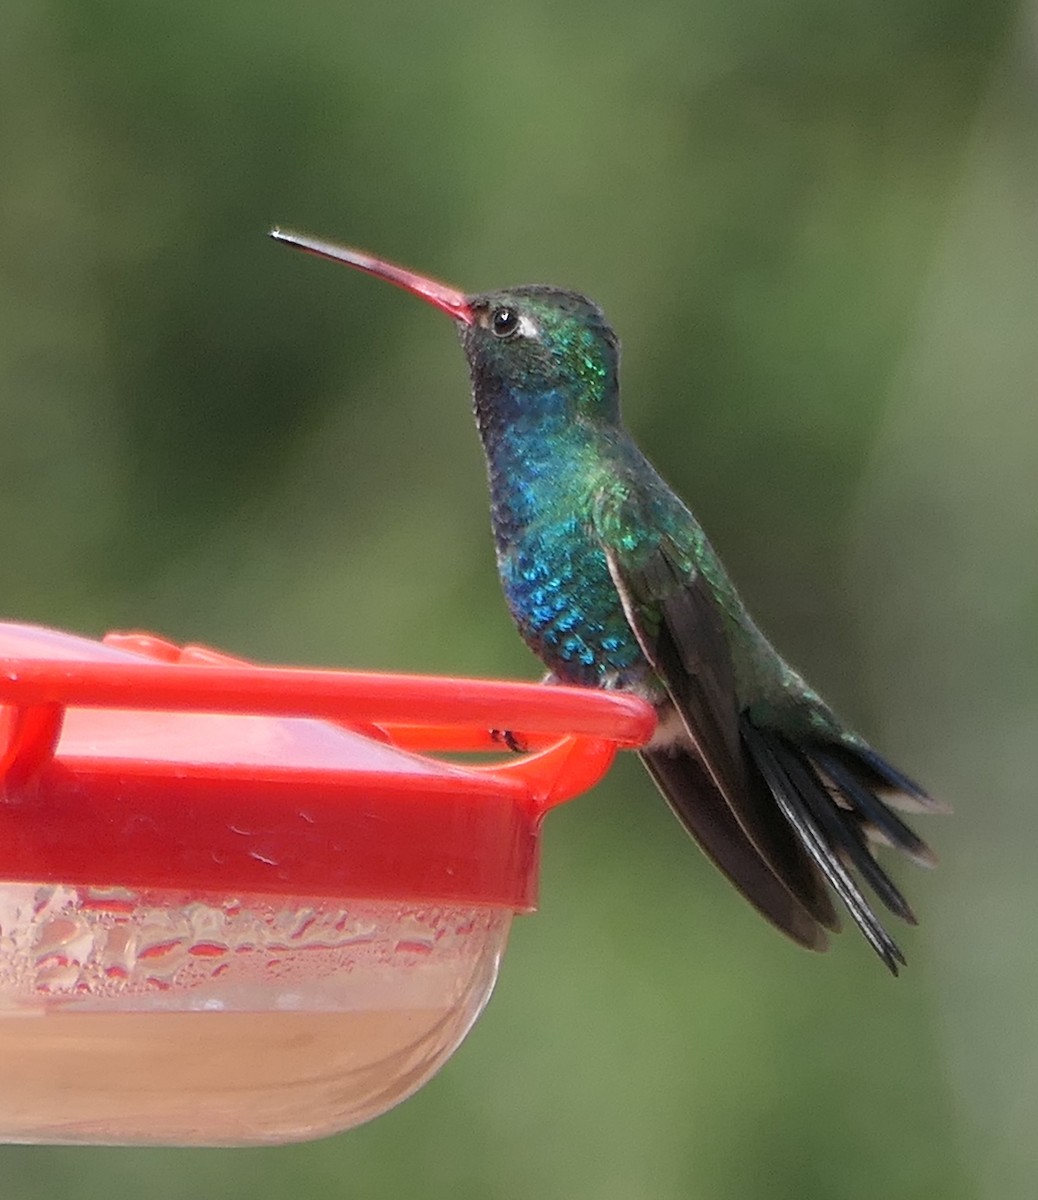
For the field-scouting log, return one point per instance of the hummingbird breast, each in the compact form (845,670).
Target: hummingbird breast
(554,572)
(560,593)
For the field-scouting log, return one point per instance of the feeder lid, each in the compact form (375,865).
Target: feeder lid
(137,763)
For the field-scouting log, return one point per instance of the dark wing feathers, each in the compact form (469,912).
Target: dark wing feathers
(701,808)
(678,626)
(780,818)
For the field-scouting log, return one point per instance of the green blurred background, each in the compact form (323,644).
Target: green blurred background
(814,226)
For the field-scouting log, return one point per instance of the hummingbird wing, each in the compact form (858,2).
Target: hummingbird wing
(756,800)
(694,798)
(704,772)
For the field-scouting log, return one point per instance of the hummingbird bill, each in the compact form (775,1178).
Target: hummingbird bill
(612,583)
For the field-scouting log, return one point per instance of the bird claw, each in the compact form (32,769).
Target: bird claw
(507,738)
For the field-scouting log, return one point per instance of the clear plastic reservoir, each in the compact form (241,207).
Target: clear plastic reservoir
(128,1018)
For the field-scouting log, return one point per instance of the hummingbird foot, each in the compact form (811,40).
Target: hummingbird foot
(512,740)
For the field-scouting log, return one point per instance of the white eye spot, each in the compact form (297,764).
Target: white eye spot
(527,327)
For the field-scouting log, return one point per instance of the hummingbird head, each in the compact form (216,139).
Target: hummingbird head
(535,352)
(535,347)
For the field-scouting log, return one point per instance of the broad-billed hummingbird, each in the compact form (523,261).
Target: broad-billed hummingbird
(613,584)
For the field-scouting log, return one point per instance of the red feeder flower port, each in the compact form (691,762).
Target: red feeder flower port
(241,904)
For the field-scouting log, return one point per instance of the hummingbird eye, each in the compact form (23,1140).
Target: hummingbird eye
(504,321)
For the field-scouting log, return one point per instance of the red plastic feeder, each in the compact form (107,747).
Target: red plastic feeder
(240,904)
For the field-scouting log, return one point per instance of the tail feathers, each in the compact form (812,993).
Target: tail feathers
(845,777)
(829,800)
(897,789)
(831,795)
(827,836)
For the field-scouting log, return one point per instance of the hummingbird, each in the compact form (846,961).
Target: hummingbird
(612,583)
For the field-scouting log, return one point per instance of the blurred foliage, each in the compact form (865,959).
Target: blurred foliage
(814,227)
